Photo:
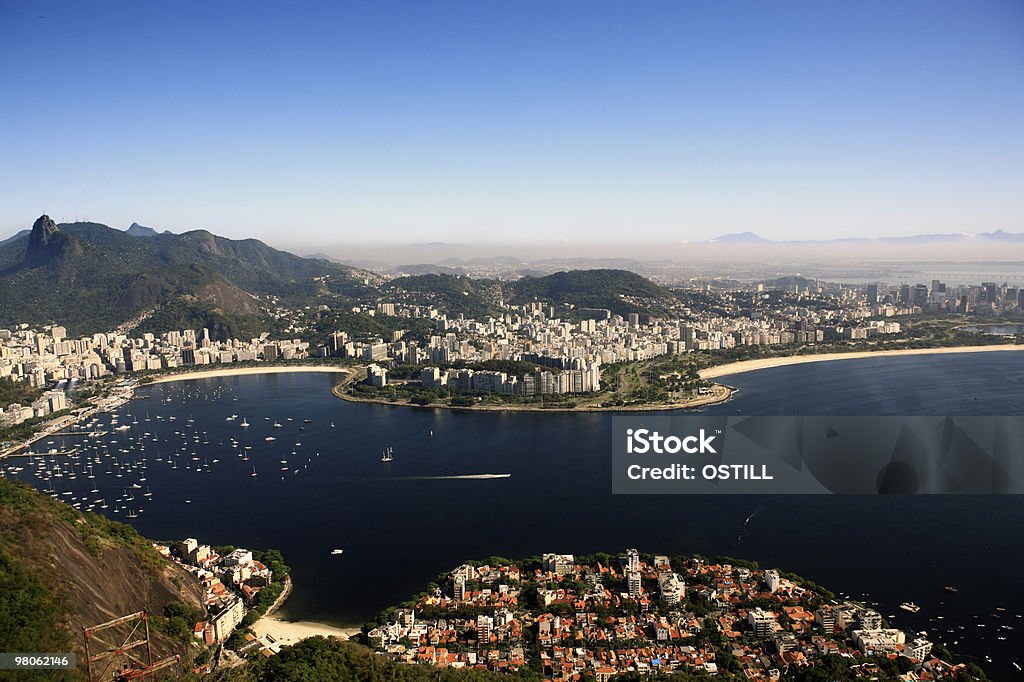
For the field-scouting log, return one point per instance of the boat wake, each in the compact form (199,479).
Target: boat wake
(746,524)
(454,477)
(470,477)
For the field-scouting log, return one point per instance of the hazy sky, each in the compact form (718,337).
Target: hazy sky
(515,121)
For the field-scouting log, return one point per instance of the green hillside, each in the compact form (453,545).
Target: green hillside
(91,278)
(450,293)
(62,570)
(620,291)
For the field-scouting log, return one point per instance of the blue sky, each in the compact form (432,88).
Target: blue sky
(515,121)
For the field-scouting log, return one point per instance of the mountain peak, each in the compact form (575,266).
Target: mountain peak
(136,230)
(43,227)
(45,242)
(741,238)
(48,245)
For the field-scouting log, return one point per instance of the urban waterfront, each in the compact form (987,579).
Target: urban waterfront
(402,522)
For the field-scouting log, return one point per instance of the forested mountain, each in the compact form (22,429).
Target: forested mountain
(91,277)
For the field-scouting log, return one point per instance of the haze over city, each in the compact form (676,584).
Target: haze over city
(324,127)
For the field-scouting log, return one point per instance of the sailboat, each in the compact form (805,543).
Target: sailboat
(253,472)
(387,456)
(244,423)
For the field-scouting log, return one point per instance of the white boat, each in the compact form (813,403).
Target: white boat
(336,552)
(910,606)
(387,456)
(244,423)
(269,439)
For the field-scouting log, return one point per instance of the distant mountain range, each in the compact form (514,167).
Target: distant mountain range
(91,278)
(620,291)
(996,236)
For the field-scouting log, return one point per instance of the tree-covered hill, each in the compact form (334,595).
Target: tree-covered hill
(91,277)
(620,291)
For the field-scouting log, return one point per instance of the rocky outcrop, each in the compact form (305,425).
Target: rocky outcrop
(47,245)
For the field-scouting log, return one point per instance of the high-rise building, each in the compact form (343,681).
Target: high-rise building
(484,625)
(872,294)
(761,622)
(825,618)
(632,560)
(772,578)
(376,376)
(459,587)
(634,583)
(904,295)
(672,587)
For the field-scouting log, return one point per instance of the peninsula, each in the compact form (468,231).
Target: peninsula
(563,617)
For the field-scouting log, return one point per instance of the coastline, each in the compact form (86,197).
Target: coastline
(290,631)
(240,371)
(721,394)
(766,363)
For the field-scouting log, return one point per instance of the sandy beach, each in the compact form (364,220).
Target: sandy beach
(765,363)
(239,371)
(290,632)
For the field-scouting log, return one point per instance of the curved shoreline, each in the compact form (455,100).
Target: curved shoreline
(241,371)
(743,366)
(700,402)
(290,631)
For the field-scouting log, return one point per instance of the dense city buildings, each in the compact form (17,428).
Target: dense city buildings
(596,617)
(231,585)
(567,346)
(48,358)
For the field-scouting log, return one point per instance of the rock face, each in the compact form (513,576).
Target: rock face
(64,570)
(47,244)
(136,230)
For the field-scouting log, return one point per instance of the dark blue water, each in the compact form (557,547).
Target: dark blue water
(399,528)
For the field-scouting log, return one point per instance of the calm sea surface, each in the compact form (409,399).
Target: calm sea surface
(401,523)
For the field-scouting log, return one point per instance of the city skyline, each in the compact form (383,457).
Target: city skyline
(518,124)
